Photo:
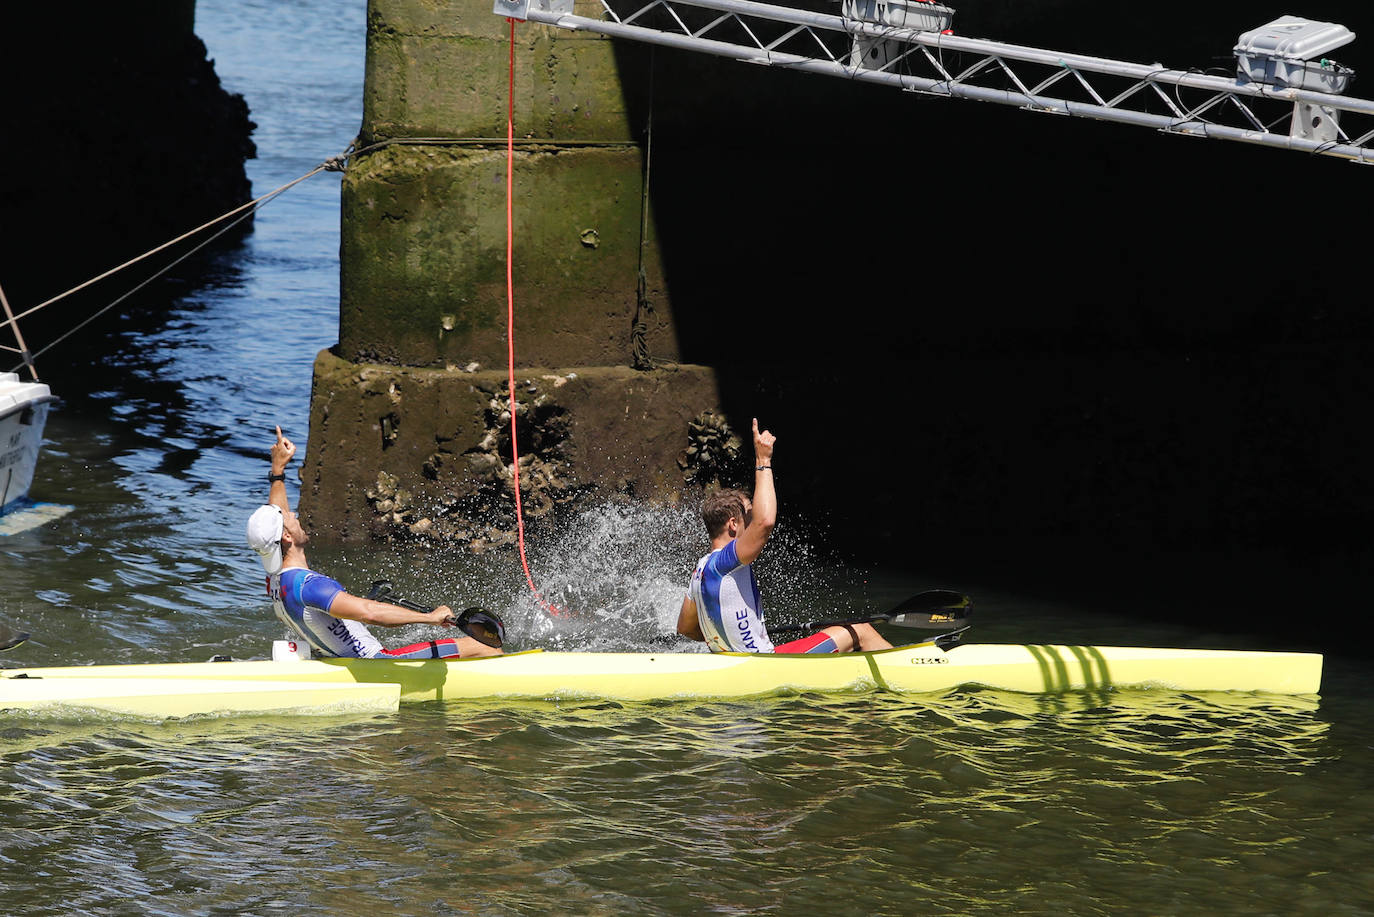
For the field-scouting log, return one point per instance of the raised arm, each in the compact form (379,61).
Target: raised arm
(765,510)
(282,452)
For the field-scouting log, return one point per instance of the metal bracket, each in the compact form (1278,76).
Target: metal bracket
(520,9)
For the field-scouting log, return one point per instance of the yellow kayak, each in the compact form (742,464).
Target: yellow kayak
(919,668)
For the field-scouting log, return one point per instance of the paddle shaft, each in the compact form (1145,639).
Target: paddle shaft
(820,625)
(480,625)
(413,606)
(381,592)
(935,609)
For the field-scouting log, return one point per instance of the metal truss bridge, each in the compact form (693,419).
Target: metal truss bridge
(1284,93)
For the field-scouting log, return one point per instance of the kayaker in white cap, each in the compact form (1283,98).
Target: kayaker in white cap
(722,606)
(318,608)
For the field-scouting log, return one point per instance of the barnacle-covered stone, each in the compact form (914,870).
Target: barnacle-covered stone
(713,454)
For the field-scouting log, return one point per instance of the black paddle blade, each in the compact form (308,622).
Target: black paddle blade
(936,602)
(482,626)
(9,639)
(937,609)
(379,591)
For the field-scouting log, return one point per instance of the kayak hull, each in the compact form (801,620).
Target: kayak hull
(921,668)
(181,696)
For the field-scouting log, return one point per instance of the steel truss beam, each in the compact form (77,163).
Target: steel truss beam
(934,63)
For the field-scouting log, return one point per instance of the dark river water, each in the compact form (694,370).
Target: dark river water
(970,802)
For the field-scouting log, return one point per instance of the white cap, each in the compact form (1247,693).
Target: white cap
(264,535)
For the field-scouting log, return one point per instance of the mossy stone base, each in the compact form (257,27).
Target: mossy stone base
(423,259)
(441,68)
(404,452)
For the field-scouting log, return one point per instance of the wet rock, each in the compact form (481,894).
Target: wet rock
(714,453)
(391,428)
(385,487)
(478,510)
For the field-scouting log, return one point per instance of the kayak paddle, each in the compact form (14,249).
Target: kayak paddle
(9,639)
(478,623)
(934,609)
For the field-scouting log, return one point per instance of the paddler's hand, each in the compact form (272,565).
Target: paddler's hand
(763,445)
(283,450)
(443,616)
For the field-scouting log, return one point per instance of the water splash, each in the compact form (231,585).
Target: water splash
(618,572)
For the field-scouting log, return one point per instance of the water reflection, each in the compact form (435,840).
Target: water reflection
(797,786)
(658,807)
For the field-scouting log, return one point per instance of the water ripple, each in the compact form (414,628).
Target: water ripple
(659,808)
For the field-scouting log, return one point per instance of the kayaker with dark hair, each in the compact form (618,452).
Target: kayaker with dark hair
(318,608)
(722,606)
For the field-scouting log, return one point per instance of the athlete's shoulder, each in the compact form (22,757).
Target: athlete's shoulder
(722,559)
(310,587)
(297,573)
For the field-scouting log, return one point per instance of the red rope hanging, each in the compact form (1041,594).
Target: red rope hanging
(510,322)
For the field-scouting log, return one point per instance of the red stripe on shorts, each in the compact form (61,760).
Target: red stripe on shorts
(806,644)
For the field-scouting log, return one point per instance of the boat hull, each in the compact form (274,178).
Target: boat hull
(175,697)
(921,668)
(23,413)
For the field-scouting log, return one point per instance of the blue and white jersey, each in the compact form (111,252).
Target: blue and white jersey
(301,599)
(728,606)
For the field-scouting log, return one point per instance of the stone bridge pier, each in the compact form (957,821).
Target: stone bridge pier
(409,417)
